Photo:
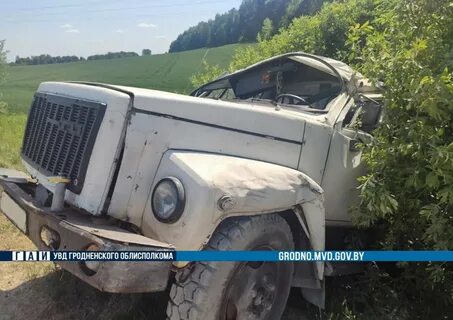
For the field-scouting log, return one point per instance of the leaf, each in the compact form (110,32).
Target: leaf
(432,180)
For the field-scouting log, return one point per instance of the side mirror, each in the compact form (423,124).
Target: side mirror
(361,137)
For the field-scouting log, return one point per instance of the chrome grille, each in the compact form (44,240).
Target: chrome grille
(60,135)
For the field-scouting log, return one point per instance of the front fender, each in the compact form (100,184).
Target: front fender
(254,187)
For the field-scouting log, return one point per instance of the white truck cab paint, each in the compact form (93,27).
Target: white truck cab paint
(263,158)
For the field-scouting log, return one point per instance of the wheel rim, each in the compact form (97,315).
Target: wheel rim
(252,291)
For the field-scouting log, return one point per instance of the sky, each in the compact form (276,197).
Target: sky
(86,27)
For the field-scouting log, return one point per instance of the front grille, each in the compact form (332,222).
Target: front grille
(60,135)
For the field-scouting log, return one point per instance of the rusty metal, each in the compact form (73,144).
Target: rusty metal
(59,193)
(77,231)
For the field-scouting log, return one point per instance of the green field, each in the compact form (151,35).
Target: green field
(169,72)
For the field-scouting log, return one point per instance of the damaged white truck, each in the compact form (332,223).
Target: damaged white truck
(265,158)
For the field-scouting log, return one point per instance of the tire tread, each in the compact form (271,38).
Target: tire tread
(190,290)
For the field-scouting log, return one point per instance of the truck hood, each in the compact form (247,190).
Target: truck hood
(256,118)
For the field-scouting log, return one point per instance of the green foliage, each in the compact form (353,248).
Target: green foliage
(113,55)
(207,74)
(2,73)
(48,59)
(146,52)
(243,24)
(266,30)
(408,191)
(411,159)
(11,126)
(11,133)
(168,72)
(2,60)
(324,33)
(296,8)
(378,295)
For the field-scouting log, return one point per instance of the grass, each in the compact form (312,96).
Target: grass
(168,72)
(11,133)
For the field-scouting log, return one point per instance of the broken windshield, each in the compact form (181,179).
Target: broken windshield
(285,81)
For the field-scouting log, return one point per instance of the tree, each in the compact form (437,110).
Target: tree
(146,52)
(243,24)
(266,30)
(45,59)
(112,55)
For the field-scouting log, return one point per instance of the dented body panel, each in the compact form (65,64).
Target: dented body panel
(254,187)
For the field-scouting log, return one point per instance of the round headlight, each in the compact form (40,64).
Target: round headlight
(168,200)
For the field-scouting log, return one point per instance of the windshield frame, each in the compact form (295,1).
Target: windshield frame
(227,84)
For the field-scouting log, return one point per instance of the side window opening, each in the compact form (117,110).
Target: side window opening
(365,115)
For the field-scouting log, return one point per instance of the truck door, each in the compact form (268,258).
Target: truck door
(344,161)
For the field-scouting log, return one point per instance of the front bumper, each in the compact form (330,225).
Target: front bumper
(76,231)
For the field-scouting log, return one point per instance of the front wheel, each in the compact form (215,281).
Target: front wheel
(237,290)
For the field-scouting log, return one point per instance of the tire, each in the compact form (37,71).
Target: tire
(236,290)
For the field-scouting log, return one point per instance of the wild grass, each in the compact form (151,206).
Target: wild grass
(168,72)
(11,133)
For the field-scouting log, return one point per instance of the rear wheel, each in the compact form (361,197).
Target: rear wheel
(237,290)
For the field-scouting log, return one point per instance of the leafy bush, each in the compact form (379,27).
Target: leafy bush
(324,33)
(208,73)
(11,126)
(409,185)
(408,192)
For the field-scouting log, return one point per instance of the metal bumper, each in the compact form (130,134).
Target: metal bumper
(76,231)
